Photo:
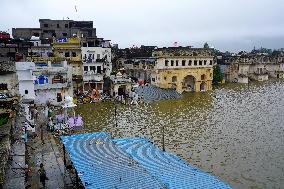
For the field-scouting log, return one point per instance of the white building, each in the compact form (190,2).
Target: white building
(96,65)
(26,80)
(53,82)
(121,85)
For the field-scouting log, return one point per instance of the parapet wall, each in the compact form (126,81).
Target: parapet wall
(182,51)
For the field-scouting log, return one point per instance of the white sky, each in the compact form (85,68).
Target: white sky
(226,24)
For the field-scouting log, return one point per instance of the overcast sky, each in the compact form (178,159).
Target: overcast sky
(225,24)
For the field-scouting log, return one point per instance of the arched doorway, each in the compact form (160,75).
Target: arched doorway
(203,87)
(189,83)
(121,90)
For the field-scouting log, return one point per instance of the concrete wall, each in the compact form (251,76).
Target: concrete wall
(77,68)
(25,65)
(242,80)
(54,28)
(25,79)
(25,33)
(25,75)
(11,80)
(140,74)
(272,69)
(244,69)
(26,85)
(50,95)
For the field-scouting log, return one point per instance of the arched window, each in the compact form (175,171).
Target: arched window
(174,79)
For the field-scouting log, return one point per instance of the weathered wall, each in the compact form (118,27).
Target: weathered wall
(11,81)
(164,78)
(185,69)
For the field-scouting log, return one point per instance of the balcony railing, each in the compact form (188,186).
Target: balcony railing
(95,77)
(261,73)
(52,86)
(92,73)
(51,70)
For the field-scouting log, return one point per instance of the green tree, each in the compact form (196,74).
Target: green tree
(206,46)
(217,75)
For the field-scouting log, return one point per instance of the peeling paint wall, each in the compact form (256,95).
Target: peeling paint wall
(184,69)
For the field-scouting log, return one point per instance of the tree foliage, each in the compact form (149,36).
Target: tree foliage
(262,50)
(217,75)
(206,46)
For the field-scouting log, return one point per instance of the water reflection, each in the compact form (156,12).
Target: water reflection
(235,132)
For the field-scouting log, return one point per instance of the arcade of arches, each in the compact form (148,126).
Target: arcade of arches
(197,80)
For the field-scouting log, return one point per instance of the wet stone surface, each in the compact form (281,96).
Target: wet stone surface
(235,132)
(14,175)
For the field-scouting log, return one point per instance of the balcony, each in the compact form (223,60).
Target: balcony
(51,70)
(39,59)
(52,86)
(91,60)
(261,73)
(90,75)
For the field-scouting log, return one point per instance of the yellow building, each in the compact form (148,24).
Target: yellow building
(183,68)
(70,49)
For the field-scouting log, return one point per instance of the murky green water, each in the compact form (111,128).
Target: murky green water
(235,132)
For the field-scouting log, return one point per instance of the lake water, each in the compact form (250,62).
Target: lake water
(235,132)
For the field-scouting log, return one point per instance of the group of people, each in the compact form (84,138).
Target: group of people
(131,99)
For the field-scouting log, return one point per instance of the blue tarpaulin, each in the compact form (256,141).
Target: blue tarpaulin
(62,40)
(131,163)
